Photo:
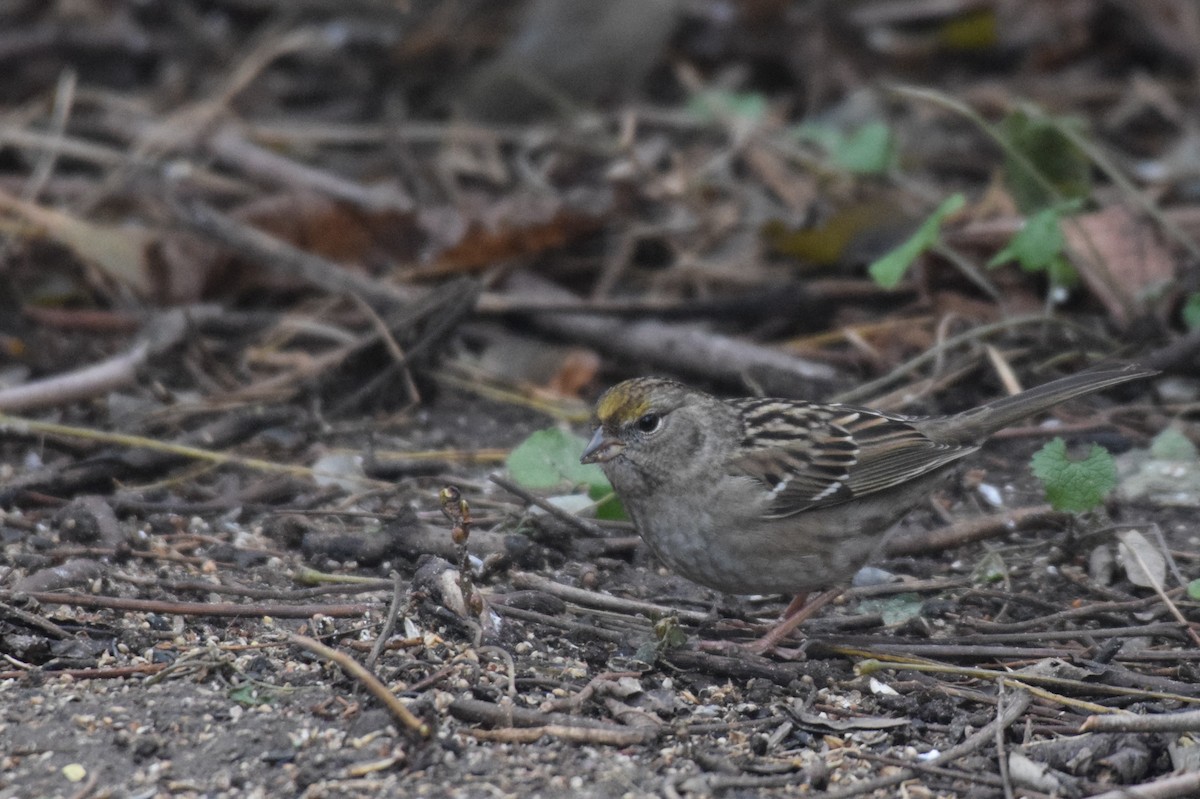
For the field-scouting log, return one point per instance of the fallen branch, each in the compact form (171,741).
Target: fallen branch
(369,681)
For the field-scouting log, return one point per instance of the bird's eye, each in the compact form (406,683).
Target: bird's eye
(648,423)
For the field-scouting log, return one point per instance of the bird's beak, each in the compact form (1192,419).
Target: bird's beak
(601,448)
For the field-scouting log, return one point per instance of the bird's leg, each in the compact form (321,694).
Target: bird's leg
(798,611)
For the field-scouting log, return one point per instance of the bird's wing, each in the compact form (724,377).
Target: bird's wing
(810,456)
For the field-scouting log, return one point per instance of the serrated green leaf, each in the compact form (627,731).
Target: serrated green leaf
(1074,485)
(1191,312)
(889,270)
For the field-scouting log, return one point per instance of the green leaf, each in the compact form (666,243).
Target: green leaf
(894,609)
(1036,244)
(1074,485)
(710,106)
(250,695)
(1173,445)
(1191,311)
(550,458)
(1193,589)
(1039,245)
(1044,166)
(990,569)
(890,269)
(865,151)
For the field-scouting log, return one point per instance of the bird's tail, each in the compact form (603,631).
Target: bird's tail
(979,423)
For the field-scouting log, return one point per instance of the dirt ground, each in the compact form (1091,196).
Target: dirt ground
(283,285)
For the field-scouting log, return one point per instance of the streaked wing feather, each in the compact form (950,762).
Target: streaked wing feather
(836,453)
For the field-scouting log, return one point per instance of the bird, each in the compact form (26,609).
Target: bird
(782,496)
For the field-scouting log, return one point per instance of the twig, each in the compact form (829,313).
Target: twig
(389,623)
(356,670)
(285,258)
(33,620)
(560,725)
(684,348)
(969,530)
(977,741)
(595,599)
(870,389)
(583,525)
(199,608)
(1180,785)
(230,146)
(1028,681)
(1182,721)
(1001,756)
(1166,600)
(90,381)
(18,425)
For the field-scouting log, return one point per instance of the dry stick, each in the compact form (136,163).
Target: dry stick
(1013,711)
(579,735)
(389,623)
(1127,631)
(870,389)
(969,530)
(369,681)
(595,599)
(561,624)
(1086,611)
(1025,679)
(90,381)
(119,672)
(285,259)
(1181,785)
(1182,721)
(64,97)
(686,348)
(230,146)
(18,425)
(1001,757)
(511,720)
(198,608)
(583,525)
(33,620)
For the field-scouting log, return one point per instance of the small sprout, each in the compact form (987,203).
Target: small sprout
(668,632)
(890,269)
(869,150)
(1074,485)
(1191,311)
(456,509)
(1039,246)
(749,108)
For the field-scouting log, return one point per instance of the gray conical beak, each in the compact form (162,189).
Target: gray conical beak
(601,448)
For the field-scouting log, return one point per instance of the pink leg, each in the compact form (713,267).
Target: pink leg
(798,611)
